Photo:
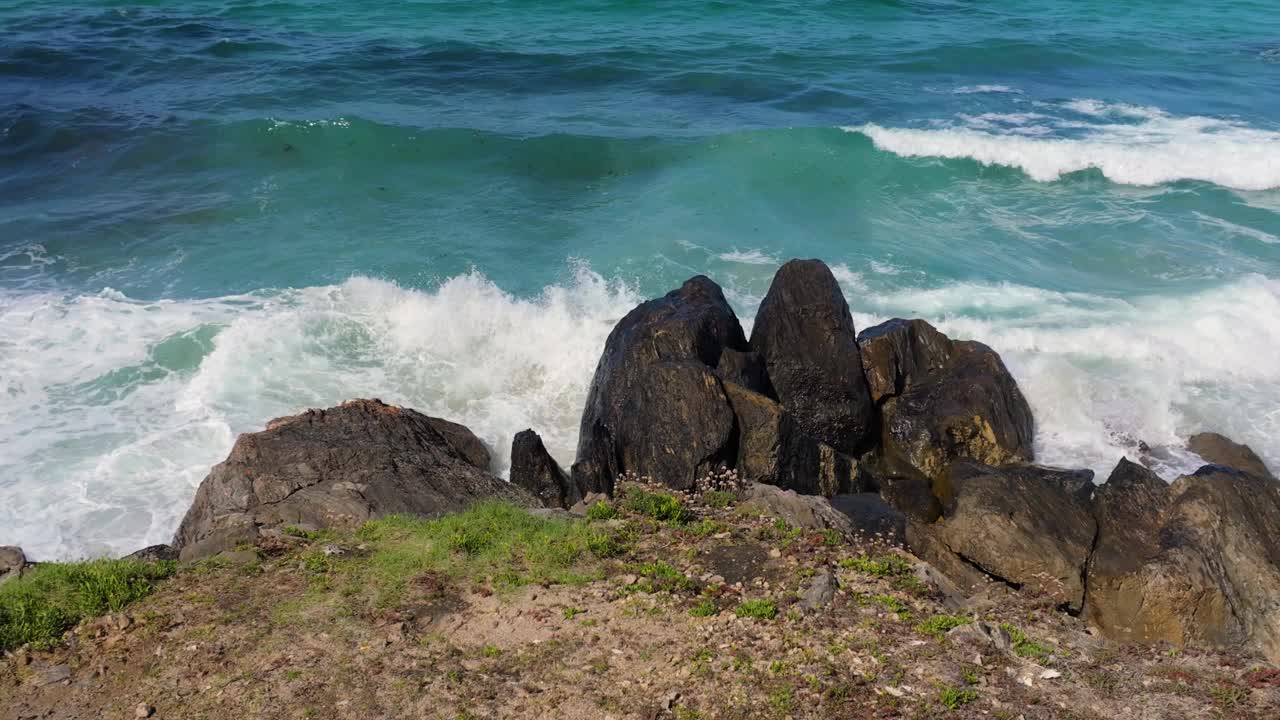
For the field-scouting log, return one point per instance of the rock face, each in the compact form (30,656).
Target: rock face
(805,334)
(1028,526)
(12,562)
(1220,450)
(800,511)
(338,468)
(1195,561)
(656,407)
(533,469)
(943,400)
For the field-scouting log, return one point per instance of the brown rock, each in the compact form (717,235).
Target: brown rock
(1221,450)
(533,469)
(807,512)
(12,562)
(337,468)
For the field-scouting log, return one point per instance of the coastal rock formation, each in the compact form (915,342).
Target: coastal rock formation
(533,469)
(799,511)
(1027,526)
(338,467)
(1198,560)
(1220,450)
(806,336)
(12,562)
(655,407)
(943,400)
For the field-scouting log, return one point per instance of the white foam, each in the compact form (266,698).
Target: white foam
(1236,229)
(748,257)
(1128,144)
(984,89)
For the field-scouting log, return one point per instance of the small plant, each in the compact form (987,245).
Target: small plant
(660,506)
(718,498)
(782,700)
(757,609)
(572,612)
(602,511)
(660,576)
(939,625)
(708,527)
(706,607)
(1227,696)
(885,566)
(491,651)
(777,667)
(1024,646)
(685,713)
(893,605)
(953,698)
(830,537)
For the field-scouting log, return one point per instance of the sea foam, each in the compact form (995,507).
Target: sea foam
(1129,144)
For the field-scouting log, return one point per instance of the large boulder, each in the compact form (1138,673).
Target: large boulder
(533,469)
(943,400)
(1195,561)
(337,468)
(805,334)
(807,512)
(12,562)
(1027,526)
(656,407)
(1220,450)
(772,449)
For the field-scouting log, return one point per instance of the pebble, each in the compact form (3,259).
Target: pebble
(143,711)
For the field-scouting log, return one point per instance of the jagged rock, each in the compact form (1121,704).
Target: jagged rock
(1195,561)
(773,449)
(807,512)
(902,486)
(982,635)
(942,400)
(655,407)
(820,593)
(745,369)
(12,562)
(1221,450)
(533,469)
(463,441)
(337,468)
(153,553)
(1025,525)
(872,517)
(805,334)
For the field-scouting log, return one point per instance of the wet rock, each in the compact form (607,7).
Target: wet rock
(656,407)
(533,469)
(745,369)
(153,553)
(819,593)
(1221,450)
(805,334)
(902,486)
(12,562)
(1198,560)
(807,512)
(872,517)
(942,400)
(337,468)
(1027,526)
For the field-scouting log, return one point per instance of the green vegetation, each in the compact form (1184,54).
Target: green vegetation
(757,609)
(660,576)
(708,527)
(660,506)
(782,700)
(718,498)
(602,511)
(705,608)
(1024,646)
(893,605)
(492,541)
(952,698)
(51,598)
(572,612)
(884,566)
(938,625)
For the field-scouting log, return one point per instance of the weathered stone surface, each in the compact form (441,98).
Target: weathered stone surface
(808,512)
(336,468)
(153,553)
(805,334)
(820,592)
(902,486)
(1196,561)
(943,400)
(463,441)
(773,449)
(1025,525)
(633,418)
(872,517)
(1221,450)
(747,370)
(533,469)
(12,562)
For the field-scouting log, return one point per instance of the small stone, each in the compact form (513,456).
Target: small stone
(1050,675)
(775,553)
(51,675)
(143,711)
(331,550)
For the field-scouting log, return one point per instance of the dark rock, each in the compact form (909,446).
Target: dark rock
(1197,561)
(872,517)
(807,512)
(745,369)
(12,562)
(806,336)
(1027,526)
(633,420)
(533,469)
(464,442)
(153,553)
(943,400)
(902,486)
(336,468)
(982,635)
(773,449)
(1220,450)
(820,592)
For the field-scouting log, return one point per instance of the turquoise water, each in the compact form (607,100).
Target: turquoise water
(216,212)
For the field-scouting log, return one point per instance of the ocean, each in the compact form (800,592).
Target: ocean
(216,212)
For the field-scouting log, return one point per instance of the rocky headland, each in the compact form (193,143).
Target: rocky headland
(809,522)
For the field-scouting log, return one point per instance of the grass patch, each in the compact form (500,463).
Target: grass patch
(893,605)
(706,607)
(659,576)
(708,527)
(602,511)
(756,609)
(939,625)
(660,506)
(492,542)
(718,498)
(1024,646)
(952,698)
(885,566)
(51,598)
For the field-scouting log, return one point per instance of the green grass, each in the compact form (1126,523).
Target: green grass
(885,566)
(706,607)
(1024,646)
(602,511)
(718,498)
(953,698)
(708,527)
(894,605)
(938,625)
(51,598)
(757,609)
(660,576)
(492,542)
(660,506)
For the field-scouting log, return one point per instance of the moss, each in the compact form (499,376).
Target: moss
(706,607)
(51,598)
(1024,646)
(953,698)
(939,625)
(885,566)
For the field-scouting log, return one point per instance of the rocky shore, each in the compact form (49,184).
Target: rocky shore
(896,438)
